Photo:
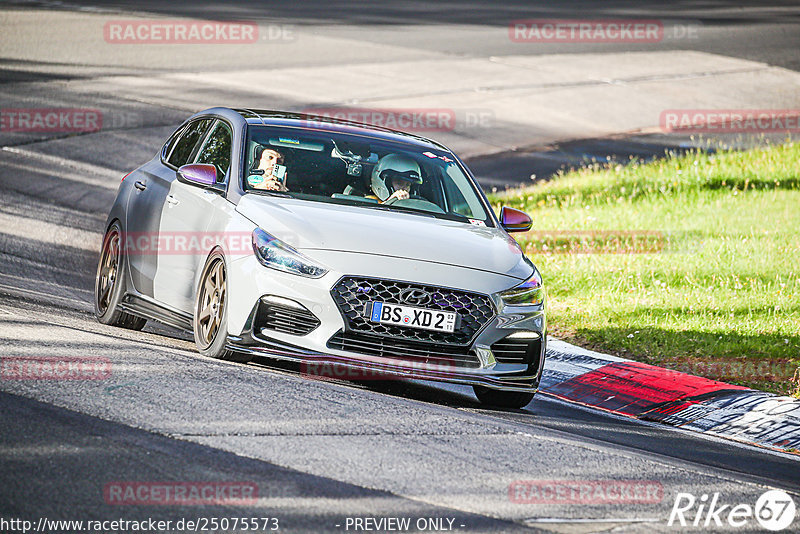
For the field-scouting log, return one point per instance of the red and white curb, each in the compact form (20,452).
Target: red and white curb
(651,393)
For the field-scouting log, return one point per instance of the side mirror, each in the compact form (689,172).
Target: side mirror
(198,174)
(514,220)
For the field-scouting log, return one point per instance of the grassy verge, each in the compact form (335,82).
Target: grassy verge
(690,262)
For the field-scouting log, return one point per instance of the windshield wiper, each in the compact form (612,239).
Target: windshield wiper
(267,192)
(448,216)
(456,216)
(401,209)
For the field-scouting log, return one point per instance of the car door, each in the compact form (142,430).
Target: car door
(186,216)
(143,216)
(144,213)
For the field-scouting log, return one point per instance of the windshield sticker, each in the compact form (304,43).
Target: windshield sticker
(434,156)
(293,142)
(255,179)
(477,222)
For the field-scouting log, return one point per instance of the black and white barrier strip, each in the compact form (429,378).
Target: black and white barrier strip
(671,397)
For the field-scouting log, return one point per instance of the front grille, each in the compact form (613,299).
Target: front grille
(411,351)
(285,319)
(517,351)
(353,295)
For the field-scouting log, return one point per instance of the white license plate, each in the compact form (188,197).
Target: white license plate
(397,314)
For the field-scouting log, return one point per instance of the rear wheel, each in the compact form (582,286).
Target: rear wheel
(109,286)
(502,399)
(210,322)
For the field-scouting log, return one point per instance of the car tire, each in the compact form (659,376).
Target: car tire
(210,322)
(502,399)
(109,285)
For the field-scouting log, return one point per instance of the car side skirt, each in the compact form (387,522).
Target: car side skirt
(142,306)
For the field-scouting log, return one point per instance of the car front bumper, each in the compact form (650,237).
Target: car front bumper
(490,358)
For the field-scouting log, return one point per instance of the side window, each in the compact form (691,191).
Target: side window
(458,204)
(217,149)
(454,182)
(188,140)
(171,143)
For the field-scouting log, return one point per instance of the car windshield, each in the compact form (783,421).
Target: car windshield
(363,172)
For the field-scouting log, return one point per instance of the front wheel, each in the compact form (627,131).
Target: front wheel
(210,324)
(109,285)
(502,399)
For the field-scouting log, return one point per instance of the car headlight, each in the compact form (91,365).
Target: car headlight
(528,293)
(275,254)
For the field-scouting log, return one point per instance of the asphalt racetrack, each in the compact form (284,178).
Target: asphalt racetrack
(323,454)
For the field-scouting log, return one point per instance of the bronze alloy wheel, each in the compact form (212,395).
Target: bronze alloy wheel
(211,303)
(109,285)
(210,323)
(107,271)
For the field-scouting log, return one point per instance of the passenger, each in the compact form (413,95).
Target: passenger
(271,162)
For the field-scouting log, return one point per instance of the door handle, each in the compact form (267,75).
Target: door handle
(172,200)
(141,186)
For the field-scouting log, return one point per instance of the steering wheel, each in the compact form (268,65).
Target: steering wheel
(415,202)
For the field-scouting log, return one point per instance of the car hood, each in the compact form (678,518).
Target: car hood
(310,226)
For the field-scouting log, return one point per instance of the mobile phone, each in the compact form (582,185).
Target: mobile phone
(279,172)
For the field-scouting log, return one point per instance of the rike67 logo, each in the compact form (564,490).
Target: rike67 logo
(774,510)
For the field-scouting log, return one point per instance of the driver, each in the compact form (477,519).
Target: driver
(393,177)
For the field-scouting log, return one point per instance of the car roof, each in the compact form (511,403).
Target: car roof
(322,123)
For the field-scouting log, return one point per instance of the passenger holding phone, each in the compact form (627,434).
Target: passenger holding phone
(273,177)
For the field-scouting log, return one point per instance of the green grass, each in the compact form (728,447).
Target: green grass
(691,262)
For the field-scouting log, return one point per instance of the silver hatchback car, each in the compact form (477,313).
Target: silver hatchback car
(330,243)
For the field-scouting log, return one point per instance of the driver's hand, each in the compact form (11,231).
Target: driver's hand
(271,184)
(400,194)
